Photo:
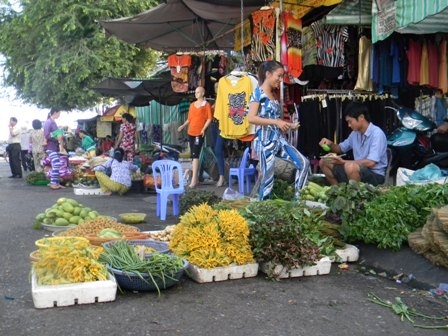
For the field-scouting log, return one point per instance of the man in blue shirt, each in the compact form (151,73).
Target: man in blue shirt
(369,145)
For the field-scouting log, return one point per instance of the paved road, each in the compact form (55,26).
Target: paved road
(334,304)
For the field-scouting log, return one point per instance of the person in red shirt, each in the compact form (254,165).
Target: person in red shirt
(199,117)
(106,144)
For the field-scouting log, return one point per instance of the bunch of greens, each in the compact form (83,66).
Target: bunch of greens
(282,190)
(387,219)
(196,197)
(286,234)
(346,200)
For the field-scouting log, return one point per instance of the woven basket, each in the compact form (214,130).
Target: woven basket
(97,241)
(132,282)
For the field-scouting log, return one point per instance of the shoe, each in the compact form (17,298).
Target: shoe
(220,183)
(18,176)
(12,176)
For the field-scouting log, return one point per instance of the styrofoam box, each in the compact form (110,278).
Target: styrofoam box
(93,191)
(348,254)
(202,275)
(323,266)
(45,296)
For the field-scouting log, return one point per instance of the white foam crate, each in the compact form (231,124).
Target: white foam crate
(323,266)
(86,191)
(202,275)
(348,254)
(46,296)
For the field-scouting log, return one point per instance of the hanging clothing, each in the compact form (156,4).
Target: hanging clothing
(364,81)
(330,41)
(263,32)
(433,64)
(309,50)
(231,106)
(179,65)
(414,55)
(424,66)
(443,67)
(293,34)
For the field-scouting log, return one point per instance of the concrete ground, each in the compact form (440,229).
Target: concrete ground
(333,304)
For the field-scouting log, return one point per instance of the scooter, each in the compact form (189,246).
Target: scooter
(412,147)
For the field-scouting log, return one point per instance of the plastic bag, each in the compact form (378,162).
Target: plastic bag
(429,172)
(231,195)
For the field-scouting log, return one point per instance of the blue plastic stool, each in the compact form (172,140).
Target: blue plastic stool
(169,173)
(243,173)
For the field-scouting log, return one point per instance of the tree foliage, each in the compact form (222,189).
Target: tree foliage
(56,51)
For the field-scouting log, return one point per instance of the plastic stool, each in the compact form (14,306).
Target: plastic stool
(243,173)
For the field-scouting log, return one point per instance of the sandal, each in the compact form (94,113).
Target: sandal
(56,186)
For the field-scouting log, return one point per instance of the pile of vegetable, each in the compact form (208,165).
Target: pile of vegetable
(34,177)
(288,234)
(314,192)
(211,238)
(163,235)
(122,256)
(93,227)
(65,212)
(196,197)
(387,219)
(67,260)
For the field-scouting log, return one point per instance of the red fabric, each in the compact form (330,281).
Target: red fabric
(414,54)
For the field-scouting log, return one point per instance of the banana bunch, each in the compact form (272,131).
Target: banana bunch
(314,192)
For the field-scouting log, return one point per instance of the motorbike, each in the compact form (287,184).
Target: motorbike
(411,145)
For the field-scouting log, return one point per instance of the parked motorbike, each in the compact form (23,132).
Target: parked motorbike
(411,144)
(166,151)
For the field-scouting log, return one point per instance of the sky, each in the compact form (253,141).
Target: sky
(11,106)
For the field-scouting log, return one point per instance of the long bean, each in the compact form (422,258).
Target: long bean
(122,255)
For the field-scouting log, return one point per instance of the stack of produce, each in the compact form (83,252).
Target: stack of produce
(93,227)
(162,235)
(431,241)
(133,272)
(288,234)
(65,212)
(314,192)
(211,238)
(64,260)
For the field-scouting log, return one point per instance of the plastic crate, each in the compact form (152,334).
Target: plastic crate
(72,294)
(323,266)
(132,282)
(202,275)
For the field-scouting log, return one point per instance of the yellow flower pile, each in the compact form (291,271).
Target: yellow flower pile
(68,260)
(209,238)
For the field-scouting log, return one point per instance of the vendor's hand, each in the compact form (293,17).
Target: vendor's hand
(180,128)
(283,125)
(325,141)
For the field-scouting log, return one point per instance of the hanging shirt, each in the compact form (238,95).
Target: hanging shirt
(330,43)
(443,80)
(293,29)
(364,82)
(414,54)
(263,33)
(179,65)
(231,106)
